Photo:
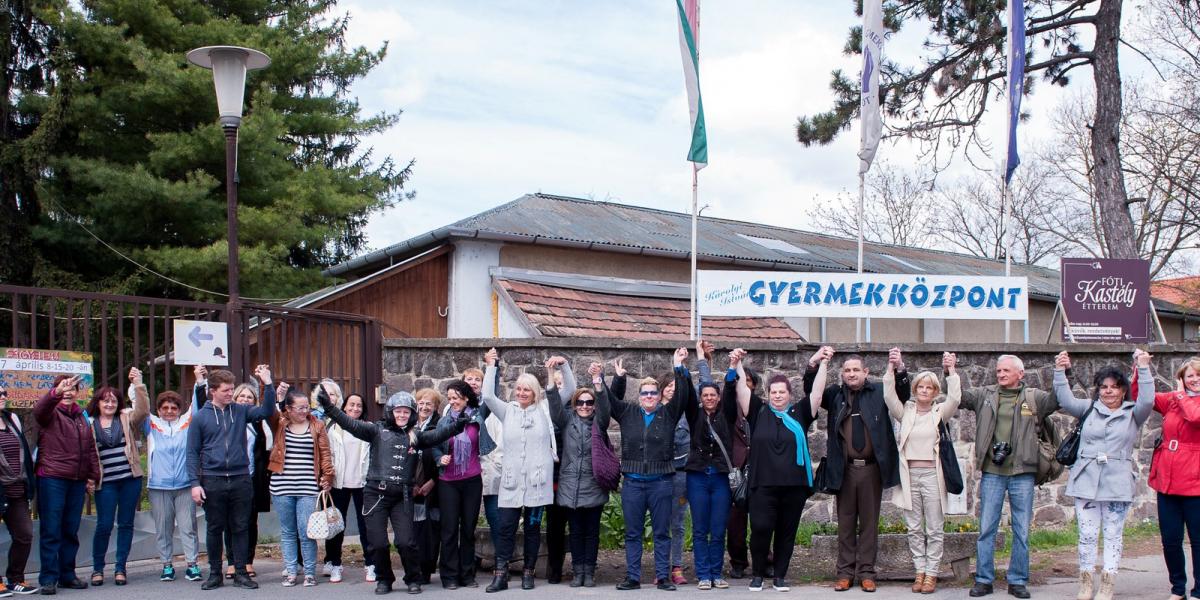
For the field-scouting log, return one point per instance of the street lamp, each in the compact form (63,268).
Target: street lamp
(229,65)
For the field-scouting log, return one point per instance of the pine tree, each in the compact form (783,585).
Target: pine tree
(135,156)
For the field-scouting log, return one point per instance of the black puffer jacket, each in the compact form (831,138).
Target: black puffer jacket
(393,459)
(577,487)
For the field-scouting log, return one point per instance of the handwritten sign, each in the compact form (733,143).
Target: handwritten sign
(28,374)
(880,296)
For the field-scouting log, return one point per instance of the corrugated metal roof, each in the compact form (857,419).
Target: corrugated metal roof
(578,222)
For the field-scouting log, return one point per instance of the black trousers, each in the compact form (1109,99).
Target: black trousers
(585,535)
(333,545)
(459,502)
(506,541)
(735,538)
(429,543)
(1177,514)
(557,519)
(775,512)
(228,507)
(380,510)
(251,540)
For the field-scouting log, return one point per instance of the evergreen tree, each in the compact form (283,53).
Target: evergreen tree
(135,156)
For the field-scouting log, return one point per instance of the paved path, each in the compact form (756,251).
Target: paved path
(1141,578)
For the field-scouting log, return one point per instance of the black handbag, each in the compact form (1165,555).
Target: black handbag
(951,474)
(741,494)
(821,479)
(1068,451)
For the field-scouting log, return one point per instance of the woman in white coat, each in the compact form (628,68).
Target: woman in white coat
(922,493)
(527,469)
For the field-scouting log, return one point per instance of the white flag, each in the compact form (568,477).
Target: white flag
(868,107)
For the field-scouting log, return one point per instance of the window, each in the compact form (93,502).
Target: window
(774,244)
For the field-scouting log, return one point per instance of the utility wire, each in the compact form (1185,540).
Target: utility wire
(79,222)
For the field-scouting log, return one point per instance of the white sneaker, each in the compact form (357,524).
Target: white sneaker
(335,575)
(327,569)
(371,574)
(720,584)
(704,584)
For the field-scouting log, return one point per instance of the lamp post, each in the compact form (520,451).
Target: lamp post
(229,65)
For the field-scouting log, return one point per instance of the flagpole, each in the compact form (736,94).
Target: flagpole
(1005,216)
(862,186)
(695,218)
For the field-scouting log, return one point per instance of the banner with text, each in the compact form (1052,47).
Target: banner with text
(878,296)
(27,374)
(1106,299)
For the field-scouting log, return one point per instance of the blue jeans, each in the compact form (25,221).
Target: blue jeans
(679,508)
(293,514)
(1177,514)
(491,514)
(991,503)
(709,496)
(638,497)
(60,507)
(115,500)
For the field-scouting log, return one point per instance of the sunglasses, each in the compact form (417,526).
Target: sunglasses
(649,392)
(582,402)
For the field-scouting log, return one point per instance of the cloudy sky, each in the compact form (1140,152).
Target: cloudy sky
(586,99)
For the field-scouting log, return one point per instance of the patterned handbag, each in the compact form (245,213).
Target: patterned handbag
(326,521)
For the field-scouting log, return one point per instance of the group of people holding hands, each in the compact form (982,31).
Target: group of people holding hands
(733,448)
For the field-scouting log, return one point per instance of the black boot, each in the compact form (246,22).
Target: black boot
(589,576)
(527,579)
(554,575)
(499,579)
(577,572)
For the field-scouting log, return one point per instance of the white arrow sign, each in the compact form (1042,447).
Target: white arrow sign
(201,343)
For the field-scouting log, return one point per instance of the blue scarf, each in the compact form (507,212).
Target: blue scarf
(802,456)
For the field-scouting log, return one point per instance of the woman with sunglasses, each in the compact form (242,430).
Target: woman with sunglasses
(647,452)
(167,478)
(578,491)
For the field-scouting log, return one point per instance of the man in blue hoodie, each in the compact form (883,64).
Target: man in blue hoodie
(219,469)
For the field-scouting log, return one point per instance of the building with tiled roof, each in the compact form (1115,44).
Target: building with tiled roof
(554,266)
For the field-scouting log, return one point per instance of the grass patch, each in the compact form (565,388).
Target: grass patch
(1062,538)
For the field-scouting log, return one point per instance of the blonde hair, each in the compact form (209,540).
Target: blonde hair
(333,389)
(531,382)
(472,371)
(1193,363)
(237,391)
(431,393)
(930,377)
(649,381)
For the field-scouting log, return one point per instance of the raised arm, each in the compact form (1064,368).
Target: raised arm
(569,383)
(743,388)
(895,406)
(558,413)
(1145,394)
(496,405)
(267,408)
(954,390)
(616,392)
(1076,407)
(435,437)
(683,377)
(140,397)
(362,430)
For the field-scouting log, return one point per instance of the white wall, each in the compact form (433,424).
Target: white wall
(471,289)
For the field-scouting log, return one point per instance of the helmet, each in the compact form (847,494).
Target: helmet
(401,400)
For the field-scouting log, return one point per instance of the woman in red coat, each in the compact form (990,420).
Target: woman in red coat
(1174,476)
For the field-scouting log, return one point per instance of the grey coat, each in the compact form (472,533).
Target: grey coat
(577,487)
(1105,470)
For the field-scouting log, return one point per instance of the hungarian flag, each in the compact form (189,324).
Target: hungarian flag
(689,13)
(868,106)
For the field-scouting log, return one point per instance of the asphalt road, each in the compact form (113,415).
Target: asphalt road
(1140,578)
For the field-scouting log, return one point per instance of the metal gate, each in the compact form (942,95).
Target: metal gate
(301,345)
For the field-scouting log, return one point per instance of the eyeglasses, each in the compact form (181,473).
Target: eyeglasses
(300,409)
(582,402)
(649,392)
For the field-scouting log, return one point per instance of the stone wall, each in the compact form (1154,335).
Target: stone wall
(417,363)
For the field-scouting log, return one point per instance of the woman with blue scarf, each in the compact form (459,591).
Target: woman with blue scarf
(781,469)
